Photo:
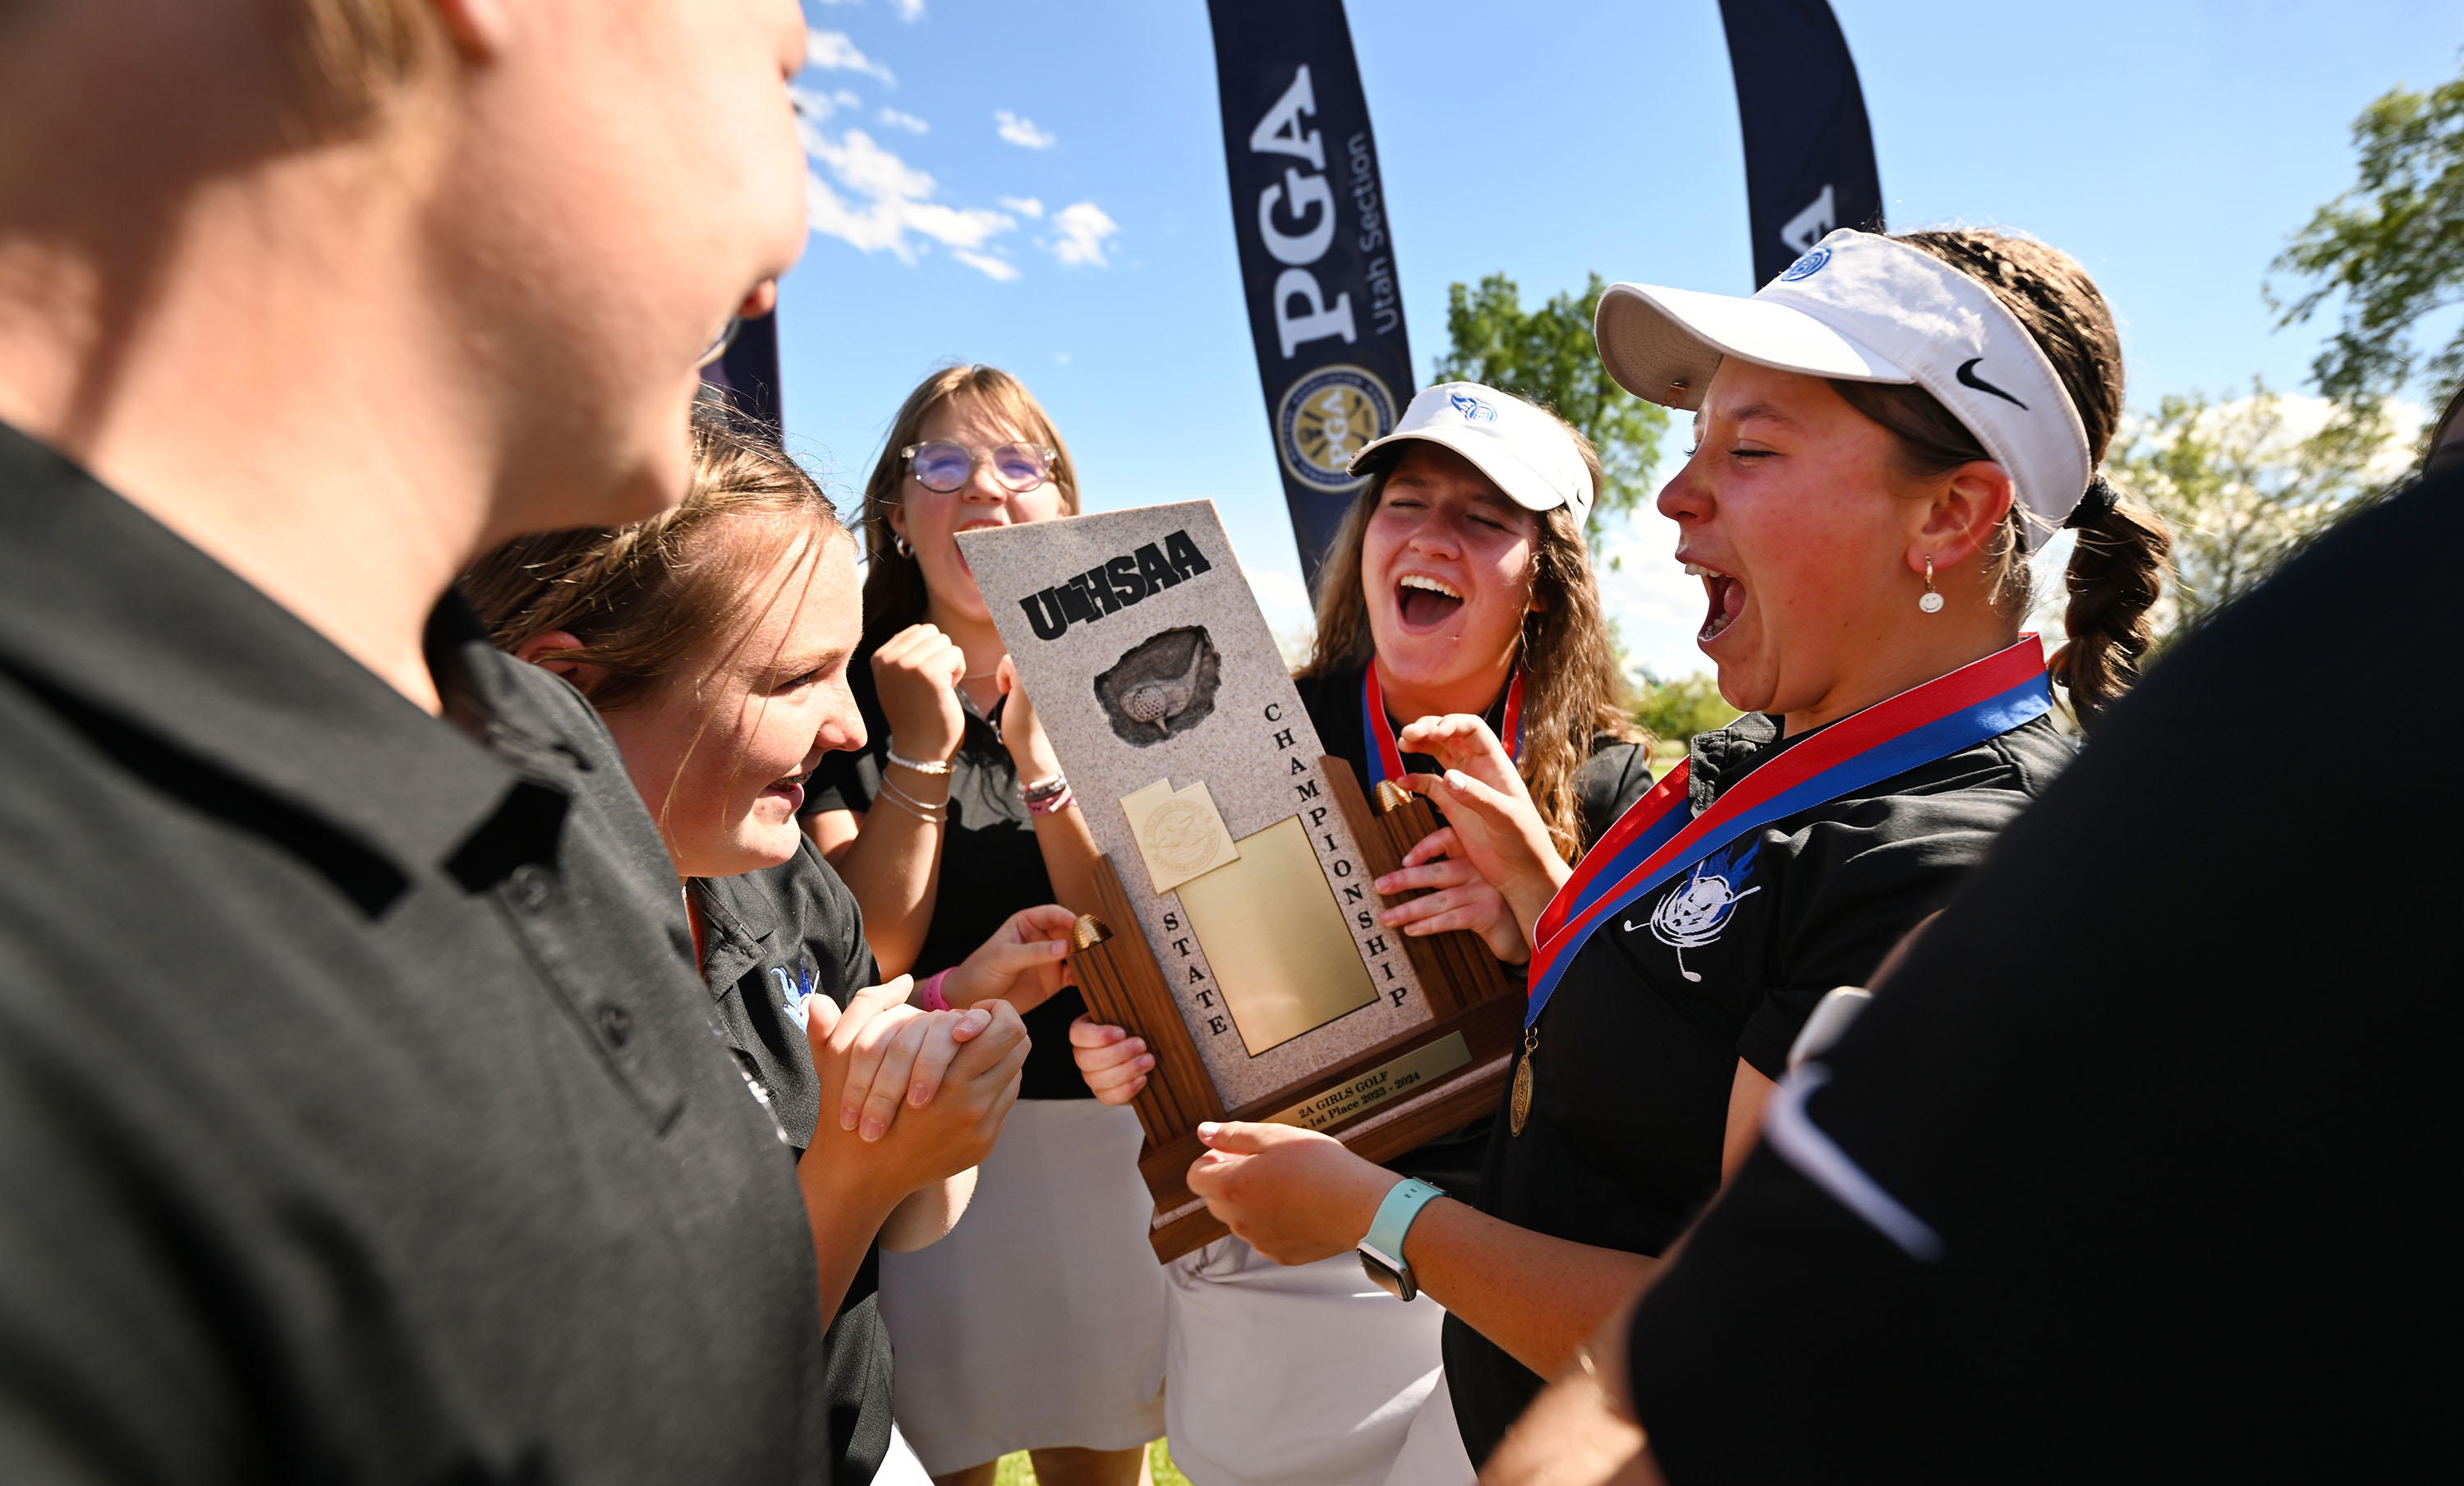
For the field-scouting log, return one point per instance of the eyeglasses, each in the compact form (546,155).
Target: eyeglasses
(941,467)
(726,338)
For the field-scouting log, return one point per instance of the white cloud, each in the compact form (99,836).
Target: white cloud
(1082,230)
(905,121)
(833,51)
(1000,270)
(813,105)
(1019,130)
(1023,206)
(909,10)
(888,206)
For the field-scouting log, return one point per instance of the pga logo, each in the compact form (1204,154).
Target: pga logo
(1472,409)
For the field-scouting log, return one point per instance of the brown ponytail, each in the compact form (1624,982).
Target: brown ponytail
(2123,554)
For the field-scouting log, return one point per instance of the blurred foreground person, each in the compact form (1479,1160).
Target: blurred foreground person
(715,640)
(360,1117)
(2443,449)
(2167,1204)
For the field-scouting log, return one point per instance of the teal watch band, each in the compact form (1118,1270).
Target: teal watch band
(1381,1250)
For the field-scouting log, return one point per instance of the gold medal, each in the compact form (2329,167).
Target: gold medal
(1518,1109)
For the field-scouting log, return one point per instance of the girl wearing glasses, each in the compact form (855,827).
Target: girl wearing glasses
(955,817)
(1460,584)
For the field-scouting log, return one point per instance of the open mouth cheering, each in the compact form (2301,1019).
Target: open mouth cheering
(1726,598)
(1425,602)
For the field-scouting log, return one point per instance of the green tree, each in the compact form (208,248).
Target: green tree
(2246,483)
(2393,247)
(1675,711)
(1547,356)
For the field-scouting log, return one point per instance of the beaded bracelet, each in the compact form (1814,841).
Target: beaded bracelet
(919,766)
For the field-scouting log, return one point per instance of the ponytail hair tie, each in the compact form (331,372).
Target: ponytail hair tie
(2094,506)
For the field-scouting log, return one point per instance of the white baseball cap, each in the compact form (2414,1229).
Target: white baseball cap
(1528,453)
(1864,308)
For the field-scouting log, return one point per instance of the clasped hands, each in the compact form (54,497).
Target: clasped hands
(909,1096)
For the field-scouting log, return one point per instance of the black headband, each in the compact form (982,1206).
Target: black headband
(2094,506)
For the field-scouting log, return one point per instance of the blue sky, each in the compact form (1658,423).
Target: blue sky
(1041,185)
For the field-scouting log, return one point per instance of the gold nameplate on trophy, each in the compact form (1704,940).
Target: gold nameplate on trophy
(1281,952)
(1376,1087)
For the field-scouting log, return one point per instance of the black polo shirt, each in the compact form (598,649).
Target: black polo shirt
(991,866)
(1614,776)
(1638,1047)
(771,942)
(2171,1085)
(360,1116)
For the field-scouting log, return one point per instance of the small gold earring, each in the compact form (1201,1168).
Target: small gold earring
(1931,602)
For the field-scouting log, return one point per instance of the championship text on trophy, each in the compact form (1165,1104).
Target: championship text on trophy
(1237,930)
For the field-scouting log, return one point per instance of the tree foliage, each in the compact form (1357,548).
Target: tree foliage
(2244,484)
(1675,711)
(1547,356)
(2392,246)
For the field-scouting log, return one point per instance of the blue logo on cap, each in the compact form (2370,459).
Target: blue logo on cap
(1807,266)
(1473,410)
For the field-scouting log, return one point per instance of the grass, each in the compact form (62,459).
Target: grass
(1016,1472)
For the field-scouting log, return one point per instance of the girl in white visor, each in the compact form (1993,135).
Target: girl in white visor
(1460,583)
(1882,436)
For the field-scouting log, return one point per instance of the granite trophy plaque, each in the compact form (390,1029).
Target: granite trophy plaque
(1237,930)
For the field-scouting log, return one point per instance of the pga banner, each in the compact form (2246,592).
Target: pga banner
(1317,258)
(1809,150)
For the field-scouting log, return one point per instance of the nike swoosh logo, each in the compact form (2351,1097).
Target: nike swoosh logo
(1968,377)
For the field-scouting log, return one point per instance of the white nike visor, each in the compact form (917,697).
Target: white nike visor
(1864,308)
(1524,452)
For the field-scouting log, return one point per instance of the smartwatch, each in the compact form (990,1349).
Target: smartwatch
(1381,1250)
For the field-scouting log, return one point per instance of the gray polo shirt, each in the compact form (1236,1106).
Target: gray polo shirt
(360,1116)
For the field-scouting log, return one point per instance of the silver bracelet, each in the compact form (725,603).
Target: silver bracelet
(919,766)
(1042,788)
(932,814)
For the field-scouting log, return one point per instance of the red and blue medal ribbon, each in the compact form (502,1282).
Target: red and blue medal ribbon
(1386,757)
(1656,838)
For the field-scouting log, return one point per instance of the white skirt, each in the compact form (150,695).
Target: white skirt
(1039,1321)
(1305,1376)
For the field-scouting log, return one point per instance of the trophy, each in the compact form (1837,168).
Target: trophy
(1236,930)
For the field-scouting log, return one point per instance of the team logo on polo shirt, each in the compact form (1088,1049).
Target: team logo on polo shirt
(1325,418)
(795,990)
(1692,915)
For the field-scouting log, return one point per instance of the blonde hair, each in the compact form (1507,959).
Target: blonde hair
(640,598)
(894,594)
(1572,691)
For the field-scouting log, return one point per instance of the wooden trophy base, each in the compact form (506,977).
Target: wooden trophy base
(1400,1094)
